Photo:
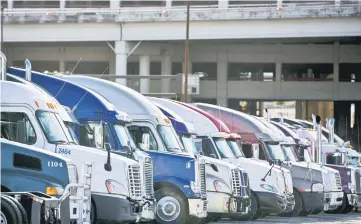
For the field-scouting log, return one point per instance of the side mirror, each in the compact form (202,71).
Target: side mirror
(255,151)
(21,132)
(98,137)
(213,156)
(270,162)
(108,166)
(145,145)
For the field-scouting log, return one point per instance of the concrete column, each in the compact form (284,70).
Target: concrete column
(62,66)
(299,109)
(121,55)
(222,70)
(62,4)
(337,3)
(114,4)
(168,3)
(223,4)
(336,70)
(166,70)
(144,69)
(279,3)
(278,72)
(10,4)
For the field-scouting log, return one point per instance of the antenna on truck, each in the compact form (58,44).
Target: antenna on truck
(76,65)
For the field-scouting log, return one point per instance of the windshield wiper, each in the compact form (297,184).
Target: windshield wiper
(269,172)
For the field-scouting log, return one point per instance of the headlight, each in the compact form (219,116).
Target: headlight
(73,174)
(114,187)
(195,188)
(268,187)
(221,187)
(317,187)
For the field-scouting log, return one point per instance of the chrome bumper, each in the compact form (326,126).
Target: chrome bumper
(198,208)
(332,200)
(148,212)
(223,203)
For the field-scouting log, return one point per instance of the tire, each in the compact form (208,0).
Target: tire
(298,206)
(254,212)
(317,211)
(24,215)
(342,207)
(93,213)
(264,214)
(176,205)
(9,211)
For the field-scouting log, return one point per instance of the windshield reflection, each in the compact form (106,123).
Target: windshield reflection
(237,152)
(223,148)
(169,138)
(72,134)
(188,143)
(124,136)
(275,151)
(51,126)
(288,153)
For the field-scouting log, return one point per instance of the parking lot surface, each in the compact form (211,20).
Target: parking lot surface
(350,218)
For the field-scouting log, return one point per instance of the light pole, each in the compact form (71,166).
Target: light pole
(2,28)
(186,56)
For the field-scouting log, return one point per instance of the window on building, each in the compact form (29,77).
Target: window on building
(16,126)
(307,72)
(155,68)
(177,68)
(252,71)
(209,68)
(35,4)
(350,72)
(40,66)
(144,3)
(183,3)
(232,2)
(4,4)
(87,67)
(87,4)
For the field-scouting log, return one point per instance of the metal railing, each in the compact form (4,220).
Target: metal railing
(138,14)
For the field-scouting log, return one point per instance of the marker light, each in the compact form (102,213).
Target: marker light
(54,191)
(167,121)
(36,103)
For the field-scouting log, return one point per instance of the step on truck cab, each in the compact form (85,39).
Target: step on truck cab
(91,111)
(227,191)
(330,177)
(255,138)
(32,175)
(180,188)
(113,194)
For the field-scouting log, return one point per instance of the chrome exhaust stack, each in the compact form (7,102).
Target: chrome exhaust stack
(27,70)
(3,66)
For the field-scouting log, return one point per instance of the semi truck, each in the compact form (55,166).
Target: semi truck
(256,138)
(255,170)
(227,188)
(116,184)
(179,177)
(333,193)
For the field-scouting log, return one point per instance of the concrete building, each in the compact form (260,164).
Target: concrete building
(251,51)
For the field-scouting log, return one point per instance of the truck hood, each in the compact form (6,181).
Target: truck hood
(302,170)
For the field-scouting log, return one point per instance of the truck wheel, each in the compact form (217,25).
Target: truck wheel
(10,214)
(298,206)
(24,215)
(317,211)
(93,212)
(171,206)
(254,212)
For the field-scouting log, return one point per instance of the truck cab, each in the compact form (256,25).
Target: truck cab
(178,176)
(331,178)
(255,139)
(114,173)
(26,168)
(227,191)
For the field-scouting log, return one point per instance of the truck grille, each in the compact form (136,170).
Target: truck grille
(135,183)
(236,182)
(202,179)
(246,184)
(148,179)
(357,177)
(338,180)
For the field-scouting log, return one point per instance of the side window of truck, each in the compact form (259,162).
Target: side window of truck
(87,137)
(16,126)
(137,133)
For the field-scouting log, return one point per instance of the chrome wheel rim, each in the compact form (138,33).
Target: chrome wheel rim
(168,209)
(3,219)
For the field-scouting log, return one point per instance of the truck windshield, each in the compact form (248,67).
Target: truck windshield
(169,138)
(334,159)
(275,151)
(51,126)
(237,152)
(124,136)
(288,153)
(306,154)
(188,143)
(223,148)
